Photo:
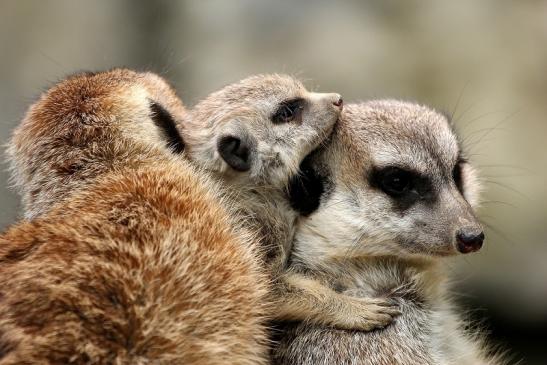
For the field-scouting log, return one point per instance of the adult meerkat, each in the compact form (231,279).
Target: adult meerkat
(396,194)
(144,266)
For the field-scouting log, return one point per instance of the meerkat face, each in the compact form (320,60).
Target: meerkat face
(394,181)
(259,129)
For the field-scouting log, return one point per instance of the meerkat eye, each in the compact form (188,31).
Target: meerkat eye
(457,174)
(394,181)
(288,111)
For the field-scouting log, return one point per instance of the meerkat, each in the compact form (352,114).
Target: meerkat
(146,265)
(383,203)
(250,136)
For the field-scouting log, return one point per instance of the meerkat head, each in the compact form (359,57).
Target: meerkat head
(259,129)
(88,124)
(393,181)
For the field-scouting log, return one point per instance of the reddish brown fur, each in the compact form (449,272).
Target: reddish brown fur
(143,266)
(74,132)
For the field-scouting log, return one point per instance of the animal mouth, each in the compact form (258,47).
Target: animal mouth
(422,248)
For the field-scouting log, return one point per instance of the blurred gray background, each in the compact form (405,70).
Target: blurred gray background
(485,61)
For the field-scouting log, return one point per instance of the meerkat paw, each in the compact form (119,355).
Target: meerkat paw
(367,314)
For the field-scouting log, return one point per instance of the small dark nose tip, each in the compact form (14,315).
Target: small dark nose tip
(469,241)
(339,103)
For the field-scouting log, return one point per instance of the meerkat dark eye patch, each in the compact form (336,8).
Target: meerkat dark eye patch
(289,111)
(393,181)
(165,122)
(457,174)
(236,152)
(405,186)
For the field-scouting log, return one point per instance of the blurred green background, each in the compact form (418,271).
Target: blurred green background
(485,61)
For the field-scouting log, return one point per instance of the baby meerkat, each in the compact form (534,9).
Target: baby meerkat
(393,195)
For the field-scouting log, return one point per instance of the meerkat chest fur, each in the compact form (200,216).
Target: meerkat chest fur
(416,337)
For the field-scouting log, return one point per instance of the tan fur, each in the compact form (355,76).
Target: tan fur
(132,257)
(363,243)
(80,129)
(313,300)
(245,108)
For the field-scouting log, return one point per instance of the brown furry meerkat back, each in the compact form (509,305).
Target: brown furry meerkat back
(85,126)
(128,273)
(137,262)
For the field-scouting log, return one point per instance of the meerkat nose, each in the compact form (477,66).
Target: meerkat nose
(339,103)
(469,240)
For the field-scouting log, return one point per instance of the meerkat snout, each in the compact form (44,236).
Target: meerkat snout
(469,239)
(339,103)
(452,214)
(334,98)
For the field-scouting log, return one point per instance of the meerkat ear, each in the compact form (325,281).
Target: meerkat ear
(168,127)
(236,151)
